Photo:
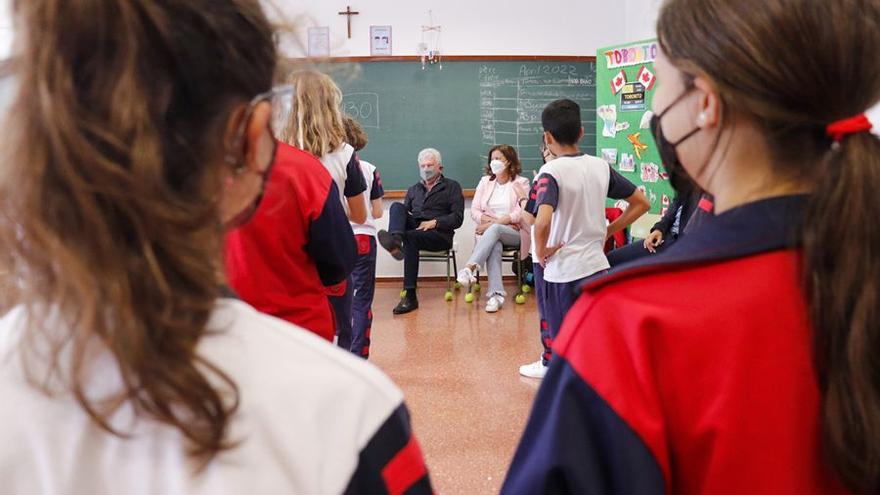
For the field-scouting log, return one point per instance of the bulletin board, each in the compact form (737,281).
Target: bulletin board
(625,83)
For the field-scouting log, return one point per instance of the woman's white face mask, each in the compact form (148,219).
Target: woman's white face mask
(497,166)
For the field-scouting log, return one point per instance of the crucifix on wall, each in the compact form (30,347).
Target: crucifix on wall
(348,12)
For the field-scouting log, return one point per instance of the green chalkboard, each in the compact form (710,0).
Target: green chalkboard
(462,110)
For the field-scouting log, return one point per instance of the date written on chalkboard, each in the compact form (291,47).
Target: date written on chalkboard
(567,70)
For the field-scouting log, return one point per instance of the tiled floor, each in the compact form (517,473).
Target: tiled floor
(458,366)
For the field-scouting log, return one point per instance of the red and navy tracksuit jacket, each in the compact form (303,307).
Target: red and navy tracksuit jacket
(690,372)
(298,242)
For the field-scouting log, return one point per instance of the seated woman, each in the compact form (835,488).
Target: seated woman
(497,211)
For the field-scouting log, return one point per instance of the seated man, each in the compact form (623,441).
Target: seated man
(427,219)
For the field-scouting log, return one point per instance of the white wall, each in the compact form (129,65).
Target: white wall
(485,27)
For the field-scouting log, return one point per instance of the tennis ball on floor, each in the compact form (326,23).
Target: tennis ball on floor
(520,299)
(526,288)
(457,286)
(477,287)
(448,295)
(468,298)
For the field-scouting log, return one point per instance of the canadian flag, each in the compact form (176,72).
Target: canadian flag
(618,82)
(647,78)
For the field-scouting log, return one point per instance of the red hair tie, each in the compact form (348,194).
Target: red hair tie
(853,125)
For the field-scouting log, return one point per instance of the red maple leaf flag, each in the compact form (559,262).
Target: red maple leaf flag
(647,78)
(618,82)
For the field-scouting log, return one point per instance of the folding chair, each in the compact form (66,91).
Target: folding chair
(448,257)
(508,253)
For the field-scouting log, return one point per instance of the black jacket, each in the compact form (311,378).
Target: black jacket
(445,203)
(688,203)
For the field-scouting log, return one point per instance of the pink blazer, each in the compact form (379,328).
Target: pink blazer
(480,207)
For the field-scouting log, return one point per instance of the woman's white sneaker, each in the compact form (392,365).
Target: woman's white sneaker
(466,277)
(494,304)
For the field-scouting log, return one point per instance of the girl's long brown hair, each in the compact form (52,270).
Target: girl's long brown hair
(793,67)
(109,192)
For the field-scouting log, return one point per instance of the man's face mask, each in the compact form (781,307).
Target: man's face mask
(428,173)
(678,177)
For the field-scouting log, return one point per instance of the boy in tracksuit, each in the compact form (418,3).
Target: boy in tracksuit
(363,277)
(567,203)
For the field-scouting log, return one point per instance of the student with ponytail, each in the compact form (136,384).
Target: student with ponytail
(137,132)
(763,376)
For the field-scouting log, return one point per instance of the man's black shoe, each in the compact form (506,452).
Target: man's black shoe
(392,244)
(407,303)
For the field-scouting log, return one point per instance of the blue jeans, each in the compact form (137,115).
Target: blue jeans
(488,251)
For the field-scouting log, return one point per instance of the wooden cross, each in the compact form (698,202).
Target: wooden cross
(349,13)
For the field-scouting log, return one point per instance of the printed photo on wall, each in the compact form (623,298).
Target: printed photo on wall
(645,123)
(380,40)
(608,114)
(650,172)
(610,155)
(627,163)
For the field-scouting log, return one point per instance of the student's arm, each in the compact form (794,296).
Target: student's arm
(547,201)
(665,223)
(455,217)
(376,208)
(357,208)
(543,223)
(520,189)
(331,241)
(355,185)
(578,438)
(619,187)
(377,192)
(529,209)
(574,442)
(391,462)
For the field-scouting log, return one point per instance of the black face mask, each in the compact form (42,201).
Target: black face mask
(678,177)
(245,215)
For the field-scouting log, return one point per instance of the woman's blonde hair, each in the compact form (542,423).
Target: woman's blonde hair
(314,123)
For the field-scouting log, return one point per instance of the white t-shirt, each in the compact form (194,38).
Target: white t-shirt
(499,201)
(308,411)
(374,191)
(343,167)
(576,186)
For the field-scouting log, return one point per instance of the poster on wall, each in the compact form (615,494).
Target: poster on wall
(625,83)
(319,41)
(380,40)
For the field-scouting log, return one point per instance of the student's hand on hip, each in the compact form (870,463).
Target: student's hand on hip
(653,241)
(549,251)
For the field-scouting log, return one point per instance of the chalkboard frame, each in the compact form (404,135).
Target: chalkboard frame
(294,63)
